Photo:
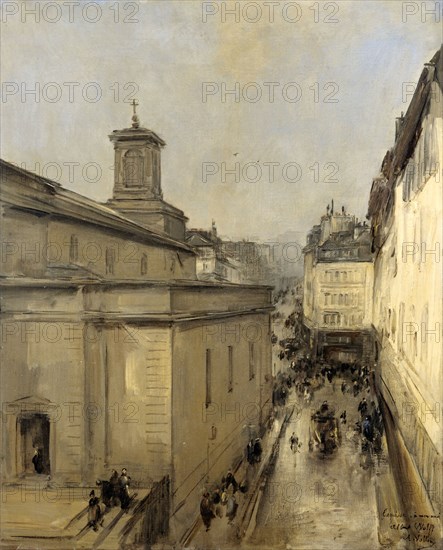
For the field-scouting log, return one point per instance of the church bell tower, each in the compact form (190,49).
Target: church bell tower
(137,180)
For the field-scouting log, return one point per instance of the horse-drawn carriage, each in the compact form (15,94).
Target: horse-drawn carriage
(324,431)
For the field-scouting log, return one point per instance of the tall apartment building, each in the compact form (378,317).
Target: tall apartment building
(338,278)
(406,214)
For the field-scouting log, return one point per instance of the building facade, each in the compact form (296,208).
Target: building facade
(212,263)
(405,209)
(247,262)
(338,279)
(113,353)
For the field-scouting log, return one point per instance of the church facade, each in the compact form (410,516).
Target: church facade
(113,353)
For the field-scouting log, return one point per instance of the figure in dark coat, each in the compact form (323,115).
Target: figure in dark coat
(94,512)
(206,511)
(123,482)
(37,460)
(230,480)
(257,450)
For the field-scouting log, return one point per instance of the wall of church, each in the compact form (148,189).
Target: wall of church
(130,375)
(221,392)
(109,255)
(43,373)
(32,245)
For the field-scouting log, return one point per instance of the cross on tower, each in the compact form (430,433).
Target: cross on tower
(135,119)
(134,105)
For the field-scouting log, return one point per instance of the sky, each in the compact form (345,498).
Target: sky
(268,109)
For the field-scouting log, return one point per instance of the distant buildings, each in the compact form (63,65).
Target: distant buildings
(337,294)
(246,262)
(113,353)
(212,263)
(405,208)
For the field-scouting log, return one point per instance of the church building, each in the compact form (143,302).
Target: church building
(114,354)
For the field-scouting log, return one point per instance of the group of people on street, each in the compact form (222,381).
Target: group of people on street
(370,426)
(113,492)
(221,501)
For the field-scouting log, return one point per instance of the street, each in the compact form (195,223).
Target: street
(312,502)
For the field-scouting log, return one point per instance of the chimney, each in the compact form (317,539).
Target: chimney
(399,125)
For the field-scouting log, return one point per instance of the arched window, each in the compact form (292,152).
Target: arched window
(133,168)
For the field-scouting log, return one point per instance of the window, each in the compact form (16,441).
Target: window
(73,249)
(251,361)
(230,368)
(208,397)
(110,261)
(144,264)
(133,168)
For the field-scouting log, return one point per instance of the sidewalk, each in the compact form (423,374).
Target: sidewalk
(37,517)
(222,533)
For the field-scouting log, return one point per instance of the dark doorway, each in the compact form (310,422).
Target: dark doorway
(34,433)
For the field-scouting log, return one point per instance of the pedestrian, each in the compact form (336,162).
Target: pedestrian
(123,482)
(228,480)
(215,499)
(231,508)
(294,443)
(114,488)
(250,452)
(37,460)
(343,417)
(363,407)
(257,450)
(367,428)
(206,511)
(94,513)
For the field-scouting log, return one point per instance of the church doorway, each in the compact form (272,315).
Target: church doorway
(34,443)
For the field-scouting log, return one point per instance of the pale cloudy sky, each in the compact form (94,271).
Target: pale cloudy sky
(347,62)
